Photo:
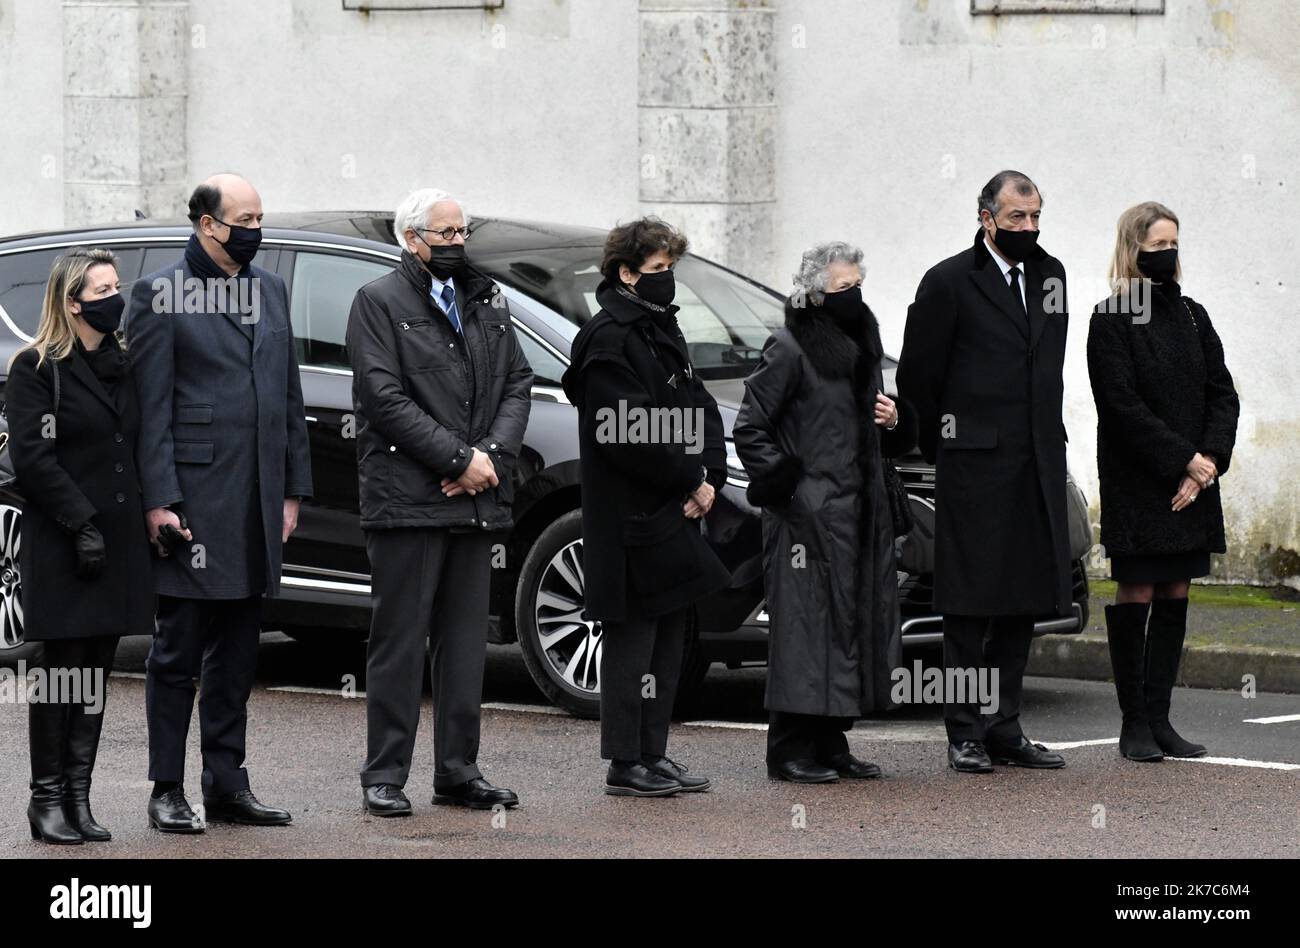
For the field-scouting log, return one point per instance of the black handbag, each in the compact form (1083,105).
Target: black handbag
(900,505)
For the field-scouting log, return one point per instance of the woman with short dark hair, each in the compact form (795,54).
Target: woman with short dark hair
(87,573)
(652,458)
(1166,426)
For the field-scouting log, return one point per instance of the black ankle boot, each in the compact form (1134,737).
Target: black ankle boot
(46,726)
(1126,634)
(1165,634)
(78,762)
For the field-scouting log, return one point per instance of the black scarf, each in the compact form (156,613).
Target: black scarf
(108,363)
(203,267)
(665,317)
(1171,292)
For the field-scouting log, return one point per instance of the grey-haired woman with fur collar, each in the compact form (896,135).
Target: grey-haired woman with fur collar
(811,434)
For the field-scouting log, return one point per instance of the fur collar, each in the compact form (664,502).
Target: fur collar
(834,354)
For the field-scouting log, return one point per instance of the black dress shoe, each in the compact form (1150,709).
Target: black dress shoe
(635,779)
(675,771)
(846,765)
(969,757)
(1027,754)
(477,794)
(385,799)
(171,813)
(242,807)
(802,771)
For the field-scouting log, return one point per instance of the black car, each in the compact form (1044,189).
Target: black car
(548,274)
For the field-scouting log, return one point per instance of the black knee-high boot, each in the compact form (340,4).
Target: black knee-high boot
(47,730)
(1126,634)
(83,742)
(1165,634)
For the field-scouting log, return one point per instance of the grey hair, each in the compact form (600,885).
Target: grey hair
(413,212)
(811,279)
(1020,183)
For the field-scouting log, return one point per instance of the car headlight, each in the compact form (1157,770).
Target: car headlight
(735,470)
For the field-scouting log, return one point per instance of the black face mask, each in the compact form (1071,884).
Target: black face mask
(844,307)
(1158,265)
(659,288)
(242,244)
(445,261)
(103,315)
(1017,245)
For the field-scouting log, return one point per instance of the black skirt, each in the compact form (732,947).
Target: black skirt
(1159,567)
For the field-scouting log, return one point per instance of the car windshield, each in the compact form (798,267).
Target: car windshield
(725,319)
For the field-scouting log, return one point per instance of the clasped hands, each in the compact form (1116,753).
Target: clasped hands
(1202,470)
(479,476)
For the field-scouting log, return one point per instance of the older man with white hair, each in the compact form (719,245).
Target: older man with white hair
(441,389)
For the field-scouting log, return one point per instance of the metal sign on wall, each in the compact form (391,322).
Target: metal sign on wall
(1000,7)
(376,6)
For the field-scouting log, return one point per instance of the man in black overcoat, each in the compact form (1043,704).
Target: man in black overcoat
(982,357)
(223,443)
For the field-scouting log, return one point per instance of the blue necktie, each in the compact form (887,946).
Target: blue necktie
(449,304)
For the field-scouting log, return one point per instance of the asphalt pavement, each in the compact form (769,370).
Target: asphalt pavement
(306,742)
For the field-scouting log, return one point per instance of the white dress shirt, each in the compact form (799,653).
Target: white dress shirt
(1006,271)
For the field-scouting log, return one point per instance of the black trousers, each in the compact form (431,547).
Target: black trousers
(214,640)
(635,711)
(428,587)
(984,642)
(805,737)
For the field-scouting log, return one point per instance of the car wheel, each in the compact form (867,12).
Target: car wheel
(561,649)
(11,580)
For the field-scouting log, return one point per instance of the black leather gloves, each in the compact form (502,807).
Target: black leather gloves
(91,553)
(169,536)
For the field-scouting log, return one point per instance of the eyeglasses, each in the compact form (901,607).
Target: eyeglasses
(447,233)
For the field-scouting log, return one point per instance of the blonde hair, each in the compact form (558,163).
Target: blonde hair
(1134,224)
(58,329)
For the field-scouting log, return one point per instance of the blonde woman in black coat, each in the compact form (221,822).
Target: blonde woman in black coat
(73,418)
(1166,426)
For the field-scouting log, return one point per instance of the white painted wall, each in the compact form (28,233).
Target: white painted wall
(529,111)
(31,115)
(895,112)
(891,115)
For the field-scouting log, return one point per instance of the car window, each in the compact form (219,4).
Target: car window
(724,318)
(320,299)
(547,368)
(161,257)
(23,277)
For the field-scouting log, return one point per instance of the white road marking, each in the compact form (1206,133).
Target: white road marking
(735,725)
(1238,762)
(900,732)
(1067,745)
(303,690)
(523,708)
(1279,719)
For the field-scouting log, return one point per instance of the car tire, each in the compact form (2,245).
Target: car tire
(12,645)
(548,603)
